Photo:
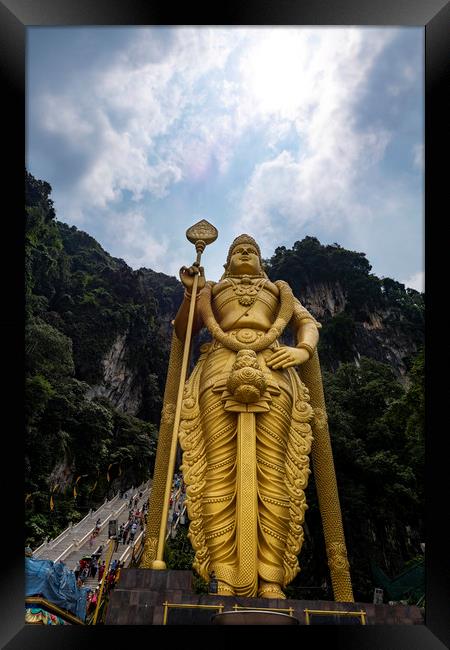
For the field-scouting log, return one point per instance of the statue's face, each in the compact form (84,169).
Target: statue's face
(244,260)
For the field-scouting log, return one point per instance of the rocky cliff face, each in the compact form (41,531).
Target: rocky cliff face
(324,300)
(381,344)
(119,383)
(62,474)
(380,334)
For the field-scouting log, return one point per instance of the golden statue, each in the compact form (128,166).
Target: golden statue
(248,416)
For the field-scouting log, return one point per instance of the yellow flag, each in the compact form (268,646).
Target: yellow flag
(95,483)
(75,488)
(52,503)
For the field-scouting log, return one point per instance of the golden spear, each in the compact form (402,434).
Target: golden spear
(200,234)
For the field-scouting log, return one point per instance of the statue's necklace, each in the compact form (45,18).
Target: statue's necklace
(226,338)
(246,290)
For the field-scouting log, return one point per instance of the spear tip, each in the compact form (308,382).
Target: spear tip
(202,231)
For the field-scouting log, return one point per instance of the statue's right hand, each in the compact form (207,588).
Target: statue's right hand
(187,275)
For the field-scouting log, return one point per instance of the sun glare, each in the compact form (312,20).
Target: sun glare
(271,72)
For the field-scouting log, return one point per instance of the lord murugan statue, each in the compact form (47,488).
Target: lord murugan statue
(249,417)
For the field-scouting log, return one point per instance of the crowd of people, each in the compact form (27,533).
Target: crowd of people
(111,580)
(87,567)
(137,520)
(93,566)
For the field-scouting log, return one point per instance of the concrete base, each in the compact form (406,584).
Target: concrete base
(139,599)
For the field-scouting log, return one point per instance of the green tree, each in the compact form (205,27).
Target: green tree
(378,471)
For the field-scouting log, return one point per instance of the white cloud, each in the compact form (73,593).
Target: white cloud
(179,103)
(416,281)
(141,123)
(129,239)
(150,121)
(318,182)
(406,78)
(60,115)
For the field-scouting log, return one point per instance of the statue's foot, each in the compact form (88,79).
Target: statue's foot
(270,590)
(224,590)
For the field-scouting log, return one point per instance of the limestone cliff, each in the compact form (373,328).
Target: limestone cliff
(119,383)
(324,299)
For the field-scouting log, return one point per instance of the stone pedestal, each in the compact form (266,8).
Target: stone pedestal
(139,596)
(139,599)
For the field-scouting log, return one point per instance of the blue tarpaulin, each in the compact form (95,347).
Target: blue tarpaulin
(56,583)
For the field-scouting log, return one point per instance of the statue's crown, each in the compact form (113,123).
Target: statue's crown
(242,239)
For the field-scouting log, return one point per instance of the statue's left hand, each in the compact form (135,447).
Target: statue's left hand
(285,357)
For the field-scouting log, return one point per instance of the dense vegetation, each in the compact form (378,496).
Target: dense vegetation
(377,432)
(79,300)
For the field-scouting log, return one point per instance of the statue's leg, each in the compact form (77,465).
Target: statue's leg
(273,501)
(219,492)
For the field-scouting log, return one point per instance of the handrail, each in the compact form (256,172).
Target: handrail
(54,609)
(66,531)
(174,526)
(112,515)
(140,551)
(130,549)
(58,539)
(85,517)
(73,545)
(122,507)
(166,605)
(44,543)
(87,535)
(83,539)
(361,614)
(66,551)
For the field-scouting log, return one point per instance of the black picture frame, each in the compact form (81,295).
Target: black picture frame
(15,17)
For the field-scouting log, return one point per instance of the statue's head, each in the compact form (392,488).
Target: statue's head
(244,258)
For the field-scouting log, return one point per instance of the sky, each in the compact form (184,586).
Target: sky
(279,132)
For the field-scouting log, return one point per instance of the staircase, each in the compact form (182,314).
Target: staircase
(73,543)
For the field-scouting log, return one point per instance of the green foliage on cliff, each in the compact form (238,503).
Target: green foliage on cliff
(308,262)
